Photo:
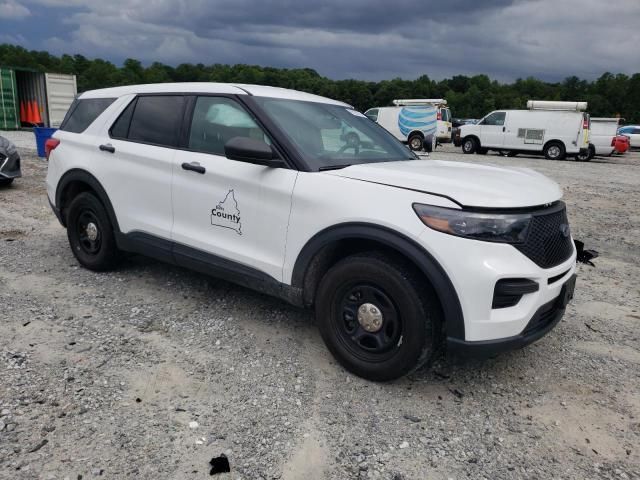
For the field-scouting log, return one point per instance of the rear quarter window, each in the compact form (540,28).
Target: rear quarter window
(83,112)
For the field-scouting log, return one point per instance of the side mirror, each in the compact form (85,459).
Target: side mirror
(253,151)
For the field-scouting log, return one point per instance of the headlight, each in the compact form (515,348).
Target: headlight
(490,227)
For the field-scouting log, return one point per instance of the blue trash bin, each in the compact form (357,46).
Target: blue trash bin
(42,134)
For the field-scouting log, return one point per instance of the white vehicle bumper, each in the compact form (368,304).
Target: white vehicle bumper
(475,267)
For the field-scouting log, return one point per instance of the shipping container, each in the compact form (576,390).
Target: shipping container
(31,98)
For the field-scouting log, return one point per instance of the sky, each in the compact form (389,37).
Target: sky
(364,39)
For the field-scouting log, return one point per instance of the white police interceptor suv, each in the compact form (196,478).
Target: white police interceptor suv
(398,256)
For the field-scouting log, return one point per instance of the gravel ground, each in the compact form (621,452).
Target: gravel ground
(150,371)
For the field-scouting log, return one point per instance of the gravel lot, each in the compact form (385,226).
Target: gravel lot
(150,371)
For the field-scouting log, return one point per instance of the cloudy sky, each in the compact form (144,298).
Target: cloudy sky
(368,39)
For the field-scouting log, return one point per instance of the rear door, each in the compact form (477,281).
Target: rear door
(228,210)
(137,163)
(492,130)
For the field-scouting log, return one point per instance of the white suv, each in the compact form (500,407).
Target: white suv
(398,256)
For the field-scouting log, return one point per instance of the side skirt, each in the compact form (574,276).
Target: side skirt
(207,263)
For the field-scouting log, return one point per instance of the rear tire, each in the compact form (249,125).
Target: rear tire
(469,145)
(587,156)
(416,142)
(90,233)
(5,182)
(430,146)
(399,335)
(554,151)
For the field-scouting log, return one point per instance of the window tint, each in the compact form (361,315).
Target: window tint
(216,120)
(496,118)
(372,114)
(82,113)
(120,128)
(157,119)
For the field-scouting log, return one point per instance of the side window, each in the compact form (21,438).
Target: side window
(216,120)
(157,119)
(120,128)
(372,114)
(446,115)
(636,131)
(82,113)
(496,118)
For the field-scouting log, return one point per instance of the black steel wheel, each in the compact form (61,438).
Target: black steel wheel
(90,233)
(377,316)
(367,321)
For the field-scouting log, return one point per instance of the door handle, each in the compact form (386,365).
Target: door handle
(503,128)
(194,167)
(108,148)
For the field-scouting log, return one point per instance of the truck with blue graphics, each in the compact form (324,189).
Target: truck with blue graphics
(413,122)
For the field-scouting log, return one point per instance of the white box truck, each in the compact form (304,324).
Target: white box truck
(554,129)
(414,125)
(602,135)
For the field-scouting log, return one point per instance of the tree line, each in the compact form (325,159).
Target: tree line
(468,96)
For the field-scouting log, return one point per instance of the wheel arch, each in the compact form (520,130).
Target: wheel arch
(77,181)
(474,136)
(337,242)
(413,133)
(554,140)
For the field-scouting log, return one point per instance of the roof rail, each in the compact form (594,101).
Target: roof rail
(420,101)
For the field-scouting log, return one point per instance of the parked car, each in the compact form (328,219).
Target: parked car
(414,125)
(620,144)
(9,162)
(396,255)
(554,129)
(633,133)
(456,123)
(601,138)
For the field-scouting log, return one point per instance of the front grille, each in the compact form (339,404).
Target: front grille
(547,245)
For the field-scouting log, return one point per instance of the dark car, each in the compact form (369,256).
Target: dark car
(9,162)
(455,130)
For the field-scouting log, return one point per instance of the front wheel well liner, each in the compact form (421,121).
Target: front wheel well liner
(335,243)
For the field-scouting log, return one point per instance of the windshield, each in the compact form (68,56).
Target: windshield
(332,136)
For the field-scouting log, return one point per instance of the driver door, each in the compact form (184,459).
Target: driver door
(492,130)
(229,209)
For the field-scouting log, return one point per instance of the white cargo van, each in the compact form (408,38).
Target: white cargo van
(602,136)
(415,125)
(554,129)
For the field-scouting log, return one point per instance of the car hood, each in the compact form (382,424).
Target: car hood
(469,184)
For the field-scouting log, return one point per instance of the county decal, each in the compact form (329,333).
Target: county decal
(226,214)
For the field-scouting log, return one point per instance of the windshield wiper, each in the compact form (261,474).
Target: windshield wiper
(333,167)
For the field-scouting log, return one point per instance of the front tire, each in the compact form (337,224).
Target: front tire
(377,317)
(554,151)
(469,145)
(90,233)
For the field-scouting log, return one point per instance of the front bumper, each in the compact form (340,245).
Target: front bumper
(10,166)
(541,323)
